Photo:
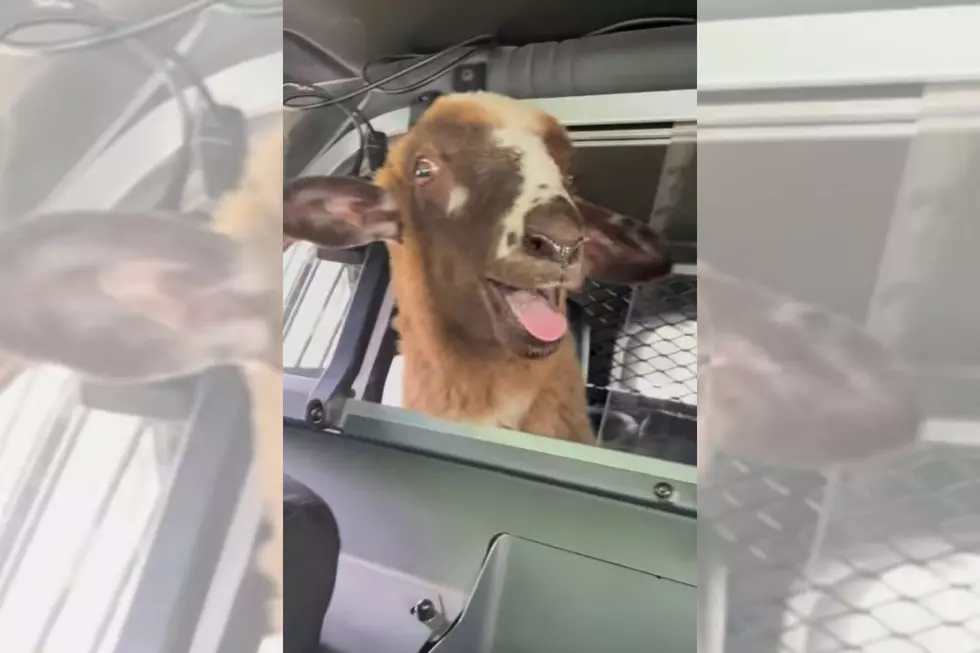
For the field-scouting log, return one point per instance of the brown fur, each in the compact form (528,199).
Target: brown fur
(251,214)
(446,380)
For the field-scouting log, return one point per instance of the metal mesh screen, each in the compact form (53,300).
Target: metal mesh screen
(882,558)
(642,365)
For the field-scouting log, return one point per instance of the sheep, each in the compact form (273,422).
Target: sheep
(137,297)
(486,236)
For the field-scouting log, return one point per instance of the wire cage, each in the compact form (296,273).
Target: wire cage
(882,558)
(639,350)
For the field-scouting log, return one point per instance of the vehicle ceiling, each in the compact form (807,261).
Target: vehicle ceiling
(355,31)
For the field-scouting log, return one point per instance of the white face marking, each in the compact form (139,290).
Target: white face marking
(542,180)
(457,198)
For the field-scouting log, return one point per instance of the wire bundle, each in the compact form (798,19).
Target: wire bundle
(118,31)
(470,47)
(307,91)
(218,127)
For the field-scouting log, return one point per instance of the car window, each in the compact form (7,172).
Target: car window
(79,492)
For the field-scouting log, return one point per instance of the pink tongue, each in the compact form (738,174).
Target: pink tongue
(539,317)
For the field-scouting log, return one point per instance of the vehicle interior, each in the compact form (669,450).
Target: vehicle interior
(784,563)
(838,178)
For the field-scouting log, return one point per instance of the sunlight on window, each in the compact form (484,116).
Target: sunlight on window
(914,606)
(80,489)
(658,359)
(316,295)
(26,406)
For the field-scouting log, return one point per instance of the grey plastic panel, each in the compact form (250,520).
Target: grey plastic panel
(644,61)
(736,9)
(533,597)
(662,59)
(823,217)
(355,31)
(440,518)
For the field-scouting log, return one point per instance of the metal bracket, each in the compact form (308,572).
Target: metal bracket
(187,544)
(326,402)
(431,616)
(171,400)
(354,256)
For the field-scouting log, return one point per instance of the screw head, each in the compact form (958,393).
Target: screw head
(663,491)
(467,74)
(315,413)
(424,610)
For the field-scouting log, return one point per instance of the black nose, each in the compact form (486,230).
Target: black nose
(554,232)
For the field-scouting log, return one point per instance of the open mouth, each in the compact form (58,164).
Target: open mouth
(535,310)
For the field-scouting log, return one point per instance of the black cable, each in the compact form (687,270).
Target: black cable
(356,117)
(408,88)
(90,18)
(208,133)
(124,31)
(651,21)
(475,44)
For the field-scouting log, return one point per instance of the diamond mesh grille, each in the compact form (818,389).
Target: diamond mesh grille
(642,365)
(883,558)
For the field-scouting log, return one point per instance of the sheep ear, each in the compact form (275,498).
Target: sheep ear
(790,384)
(128,296)
(339,212)
(620,249)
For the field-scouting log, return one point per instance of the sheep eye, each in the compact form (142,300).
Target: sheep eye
(425,170)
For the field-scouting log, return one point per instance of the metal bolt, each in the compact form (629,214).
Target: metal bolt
(424,610)
(315,413)
(663,491)
(467,74)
